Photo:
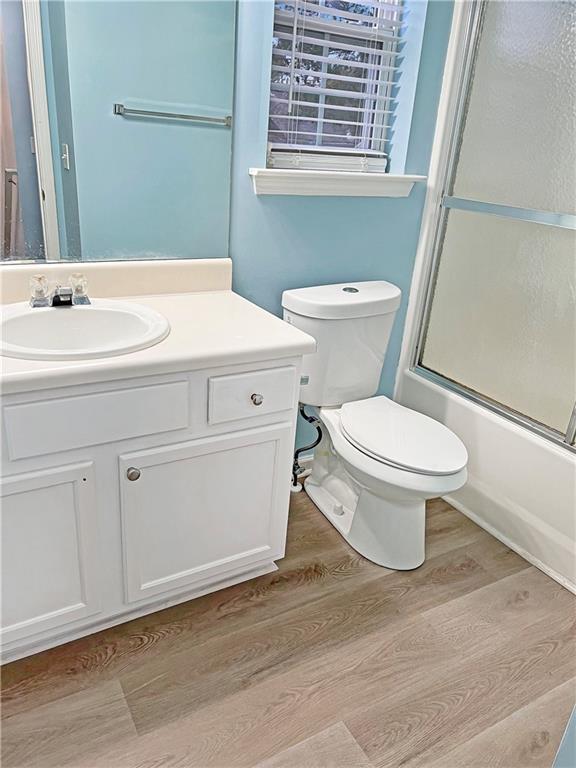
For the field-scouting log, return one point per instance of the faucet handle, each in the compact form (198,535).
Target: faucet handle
(39,285)
(39,291)
(79,284)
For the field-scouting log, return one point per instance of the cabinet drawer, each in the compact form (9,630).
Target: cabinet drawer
(51,426)
(255,393)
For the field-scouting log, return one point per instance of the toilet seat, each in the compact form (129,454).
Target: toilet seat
(402,438)
(361,464)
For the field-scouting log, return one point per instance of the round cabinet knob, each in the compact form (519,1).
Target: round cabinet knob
(132,473)
(257,399)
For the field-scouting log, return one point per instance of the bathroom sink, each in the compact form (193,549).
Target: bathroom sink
(104,328)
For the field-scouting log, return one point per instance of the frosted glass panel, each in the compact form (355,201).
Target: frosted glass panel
(503,315)
(518,144)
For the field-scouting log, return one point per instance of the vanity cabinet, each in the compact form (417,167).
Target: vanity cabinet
(50,550)
(125,497)
(198,510)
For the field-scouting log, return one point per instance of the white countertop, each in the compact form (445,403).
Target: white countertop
(208,329)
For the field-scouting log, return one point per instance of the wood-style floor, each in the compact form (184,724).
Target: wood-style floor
(331,661)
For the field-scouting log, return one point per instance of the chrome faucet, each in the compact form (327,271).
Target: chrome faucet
(62,295)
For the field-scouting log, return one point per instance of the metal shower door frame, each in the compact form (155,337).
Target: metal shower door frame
(447,202)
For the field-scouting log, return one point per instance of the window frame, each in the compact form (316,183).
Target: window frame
(331,155)
(397,182)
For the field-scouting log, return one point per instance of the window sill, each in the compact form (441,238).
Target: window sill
(282,181)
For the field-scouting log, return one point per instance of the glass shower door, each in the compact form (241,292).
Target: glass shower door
(500,320)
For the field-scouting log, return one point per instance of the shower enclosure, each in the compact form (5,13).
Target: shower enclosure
(490,343)
(499,321)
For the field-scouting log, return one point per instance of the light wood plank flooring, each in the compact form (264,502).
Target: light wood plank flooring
(466,662)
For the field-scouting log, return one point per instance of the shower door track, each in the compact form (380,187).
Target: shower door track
(445,202)
(501,410)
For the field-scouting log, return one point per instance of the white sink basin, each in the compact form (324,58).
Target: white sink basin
(102,329)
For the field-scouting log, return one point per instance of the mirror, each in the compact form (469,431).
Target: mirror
(116,120)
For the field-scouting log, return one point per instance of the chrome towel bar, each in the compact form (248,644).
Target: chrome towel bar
(120,109)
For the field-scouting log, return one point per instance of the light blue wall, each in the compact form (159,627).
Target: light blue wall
(286,242)
(151,187)
(412,35)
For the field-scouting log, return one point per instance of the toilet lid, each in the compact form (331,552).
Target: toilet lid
(402,437)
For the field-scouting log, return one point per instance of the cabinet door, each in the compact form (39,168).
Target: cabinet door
(201,510)
(49,550)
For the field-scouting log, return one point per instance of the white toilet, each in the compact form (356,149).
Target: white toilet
(378,461)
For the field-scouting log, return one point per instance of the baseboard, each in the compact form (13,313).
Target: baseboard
(474,498)
(556,551)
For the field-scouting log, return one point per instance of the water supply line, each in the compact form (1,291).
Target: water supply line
(296,468)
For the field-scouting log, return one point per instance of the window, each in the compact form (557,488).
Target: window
(334,84)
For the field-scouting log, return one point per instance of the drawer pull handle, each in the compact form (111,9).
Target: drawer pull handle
(257,399)
(133,473)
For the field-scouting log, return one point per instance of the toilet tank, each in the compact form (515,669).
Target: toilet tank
(351,323)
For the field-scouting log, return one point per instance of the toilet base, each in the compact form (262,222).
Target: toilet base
(385,524)
(378,508)
(389,534)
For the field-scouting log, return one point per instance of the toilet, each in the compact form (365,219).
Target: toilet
(378,461)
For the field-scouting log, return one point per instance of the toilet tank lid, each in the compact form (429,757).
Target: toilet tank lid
(343,300)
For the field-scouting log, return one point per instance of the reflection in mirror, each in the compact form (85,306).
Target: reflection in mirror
(20,214)
(117,143)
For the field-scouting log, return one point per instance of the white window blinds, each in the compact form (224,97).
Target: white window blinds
(334,84)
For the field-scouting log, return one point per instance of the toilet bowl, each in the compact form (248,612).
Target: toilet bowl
(378,461)
(363,483)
